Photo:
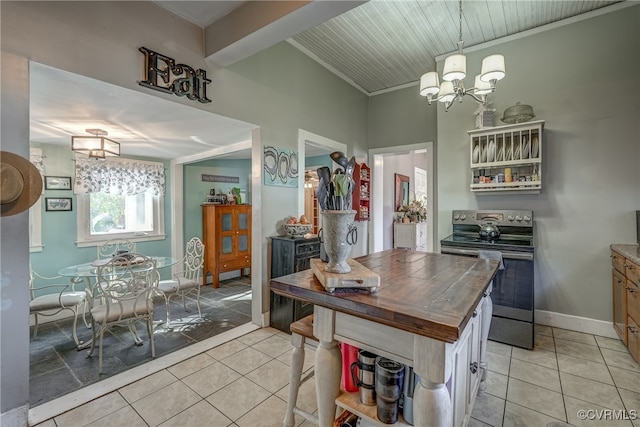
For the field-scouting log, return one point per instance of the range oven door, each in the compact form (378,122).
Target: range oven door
(512,297)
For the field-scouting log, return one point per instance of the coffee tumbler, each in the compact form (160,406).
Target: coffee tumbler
(389,382)
(365,379)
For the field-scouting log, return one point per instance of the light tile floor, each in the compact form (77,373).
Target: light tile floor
(244,382)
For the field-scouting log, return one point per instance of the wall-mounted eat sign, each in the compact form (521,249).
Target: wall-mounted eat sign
(163,74)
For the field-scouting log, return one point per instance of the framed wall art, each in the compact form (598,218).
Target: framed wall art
(57,183)
(280,167)
(402,190)
(54,204)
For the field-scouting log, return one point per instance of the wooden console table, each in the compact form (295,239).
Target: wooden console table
(431,312)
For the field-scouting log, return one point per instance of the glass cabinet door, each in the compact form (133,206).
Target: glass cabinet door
(227,244)
(227,222)
(243,223)
(243,242)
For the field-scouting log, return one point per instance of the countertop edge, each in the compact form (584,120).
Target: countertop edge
(627,250)
(438,331)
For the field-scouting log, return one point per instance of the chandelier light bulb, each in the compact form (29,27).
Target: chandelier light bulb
(480,87)
(447,94)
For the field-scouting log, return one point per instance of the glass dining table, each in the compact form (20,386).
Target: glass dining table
(89,271)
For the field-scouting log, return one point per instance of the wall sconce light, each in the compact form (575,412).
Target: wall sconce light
(96,146)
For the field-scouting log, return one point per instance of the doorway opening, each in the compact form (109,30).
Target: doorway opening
(415,161)
(51,128)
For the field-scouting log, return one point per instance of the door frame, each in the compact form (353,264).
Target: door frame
(376,243)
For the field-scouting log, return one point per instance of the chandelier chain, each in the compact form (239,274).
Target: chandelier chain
(460,27)
(460,17)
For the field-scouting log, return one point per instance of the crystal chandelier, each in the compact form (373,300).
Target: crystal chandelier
(455,70)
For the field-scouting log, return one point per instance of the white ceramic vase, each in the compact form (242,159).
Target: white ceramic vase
(336,229)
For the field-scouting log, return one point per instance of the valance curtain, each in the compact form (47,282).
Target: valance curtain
(121,176)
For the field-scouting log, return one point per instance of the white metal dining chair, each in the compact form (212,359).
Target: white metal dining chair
(65,297)
(115,246)
(126,286)
(187,281)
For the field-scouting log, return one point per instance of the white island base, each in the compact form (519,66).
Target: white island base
(434,361)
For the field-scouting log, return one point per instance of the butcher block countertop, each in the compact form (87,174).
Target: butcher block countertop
(631,252)
(428,294)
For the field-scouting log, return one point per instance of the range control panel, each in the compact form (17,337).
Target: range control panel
(498,217)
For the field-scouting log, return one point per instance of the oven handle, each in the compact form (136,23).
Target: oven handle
(472,252)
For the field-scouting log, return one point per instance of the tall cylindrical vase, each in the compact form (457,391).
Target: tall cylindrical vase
(338,236)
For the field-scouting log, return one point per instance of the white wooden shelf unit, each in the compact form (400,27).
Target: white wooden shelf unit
(496,151)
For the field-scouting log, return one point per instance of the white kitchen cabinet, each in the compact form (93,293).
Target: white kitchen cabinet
(466,373)
(507,158)
(411,235)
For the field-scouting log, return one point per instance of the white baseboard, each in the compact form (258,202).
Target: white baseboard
(229,275)
(575,323)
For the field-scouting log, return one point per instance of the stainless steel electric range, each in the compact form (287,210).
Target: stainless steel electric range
(509,232)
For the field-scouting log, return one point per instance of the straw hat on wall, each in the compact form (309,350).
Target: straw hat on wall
(20,184)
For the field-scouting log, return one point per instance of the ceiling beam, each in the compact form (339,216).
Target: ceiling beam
(258,25)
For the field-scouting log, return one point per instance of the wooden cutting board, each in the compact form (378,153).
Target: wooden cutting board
(359,277)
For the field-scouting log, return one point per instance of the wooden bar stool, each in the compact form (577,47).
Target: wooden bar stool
(301,332)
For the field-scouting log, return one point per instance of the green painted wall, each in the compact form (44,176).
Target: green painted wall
(583,80)
(401,117)
(272,89)
(317,161)
(196,190)
(59,228)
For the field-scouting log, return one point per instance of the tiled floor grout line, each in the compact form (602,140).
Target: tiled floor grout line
(270,395)
(558,370)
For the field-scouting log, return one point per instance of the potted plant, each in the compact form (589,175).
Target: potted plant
(414,211)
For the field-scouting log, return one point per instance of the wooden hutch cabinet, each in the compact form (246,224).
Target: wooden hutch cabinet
(226,232)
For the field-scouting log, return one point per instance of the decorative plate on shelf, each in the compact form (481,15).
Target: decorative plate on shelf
(525,147)
(534,147)
(516,153)
(492,151)
(476,154)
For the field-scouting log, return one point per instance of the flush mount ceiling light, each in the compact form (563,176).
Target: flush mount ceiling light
(455,70)
(96,146)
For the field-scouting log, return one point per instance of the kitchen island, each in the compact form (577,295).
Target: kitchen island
(431,312)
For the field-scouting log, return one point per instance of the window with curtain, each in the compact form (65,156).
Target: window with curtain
(119,198)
